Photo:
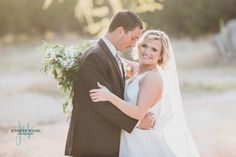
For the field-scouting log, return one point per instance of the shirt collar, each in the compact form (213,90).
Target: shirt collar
(110,46)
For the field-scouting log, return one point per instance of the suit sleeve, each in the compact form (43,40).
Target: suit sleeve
(93,72)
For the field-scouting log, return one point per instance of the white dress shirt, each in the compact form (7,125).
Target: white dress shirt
(113,51)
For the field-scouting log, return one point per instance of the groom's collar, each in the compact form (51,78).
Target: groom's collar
(110,46)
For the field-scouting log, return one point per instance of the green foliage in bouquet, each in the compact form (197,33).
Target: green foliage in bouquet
(63,62)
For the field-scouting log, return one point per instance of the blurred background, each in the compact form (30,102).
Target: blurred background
(203,34)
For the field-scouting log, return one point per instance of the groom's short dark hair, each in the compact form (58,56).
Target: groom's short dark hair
(126,19)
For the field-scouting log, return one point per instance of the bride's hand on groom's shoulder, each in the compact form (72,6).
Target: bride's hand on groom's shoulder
(100,94)
(147,122)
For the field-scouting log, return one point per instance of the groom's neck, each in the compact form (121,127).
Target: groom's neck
(111,37)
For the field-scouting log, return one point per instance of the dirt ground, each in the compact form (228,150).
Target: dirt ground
(29,97)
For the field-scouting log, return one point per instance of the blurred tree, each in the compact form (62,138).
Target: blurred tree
(90,17)
(95,14)
(190,17)
(23,16)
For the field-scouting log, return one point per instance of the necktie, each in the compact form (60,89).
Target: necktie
(118,60)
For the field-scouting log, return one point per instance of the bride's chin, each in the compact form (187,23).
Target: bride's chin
(146,65)
(145,62)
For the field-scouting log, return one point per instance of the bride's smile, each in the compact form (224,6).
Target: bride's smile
(149,52)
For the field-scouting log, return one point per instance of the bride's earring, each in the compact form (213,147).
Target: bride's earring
(159,60)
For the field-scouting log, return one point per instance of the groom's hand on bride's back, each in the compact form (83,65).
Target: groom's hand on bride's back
(147,122)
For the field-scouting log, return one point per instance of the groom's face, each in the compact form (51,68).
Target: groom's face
(128,39)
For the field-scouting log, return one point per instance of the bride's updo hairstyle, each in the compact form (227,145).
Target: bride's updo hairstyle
(151,35)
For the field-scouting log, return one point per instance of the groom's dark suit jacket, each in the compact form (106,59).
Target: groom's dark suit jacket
(95,127)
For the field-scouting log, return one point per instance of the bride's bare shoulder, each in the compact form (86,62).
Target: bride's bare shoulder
(152,77)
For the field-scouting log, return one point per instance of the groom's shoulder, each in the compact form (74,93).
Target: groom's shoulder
(96,49)
(94,52)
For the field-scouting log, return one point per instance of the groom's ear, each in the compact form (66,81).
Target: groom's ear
(120,30)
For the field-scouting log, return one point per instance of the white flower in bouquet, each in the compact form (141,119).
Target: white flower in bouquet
(70,51)
(63,63)
(50,53)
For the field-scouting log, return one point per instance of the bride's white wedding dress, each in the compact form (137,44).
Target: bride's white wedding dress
(143,143)
(170,136)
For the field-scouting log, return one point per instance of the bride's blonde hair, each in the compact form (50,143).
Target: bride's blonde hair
(151,35)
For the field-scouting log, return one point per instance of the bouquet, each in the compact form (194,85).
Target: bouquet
(63,61)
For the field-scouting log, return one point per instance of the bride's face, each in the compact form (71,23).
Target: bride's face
(149,52)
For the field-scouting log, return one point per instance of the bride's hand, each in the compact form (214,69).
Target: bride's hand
(101,94)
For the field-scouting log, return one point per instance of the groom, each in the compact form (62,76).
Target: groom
(95,127)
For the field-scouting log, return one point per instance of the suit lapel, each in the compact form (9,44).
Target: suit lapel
(113,60)
(123,72)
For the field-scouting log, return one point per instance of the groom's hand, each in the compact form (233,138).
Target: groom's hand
(147,122)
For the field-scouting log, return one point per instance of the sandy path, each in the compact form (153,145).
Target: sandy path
(211,120)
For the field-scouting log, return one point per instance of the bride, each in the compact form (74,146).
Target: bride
(154,88)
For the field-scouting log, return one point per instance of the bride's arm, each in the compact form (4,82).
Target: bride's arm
(149,92)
